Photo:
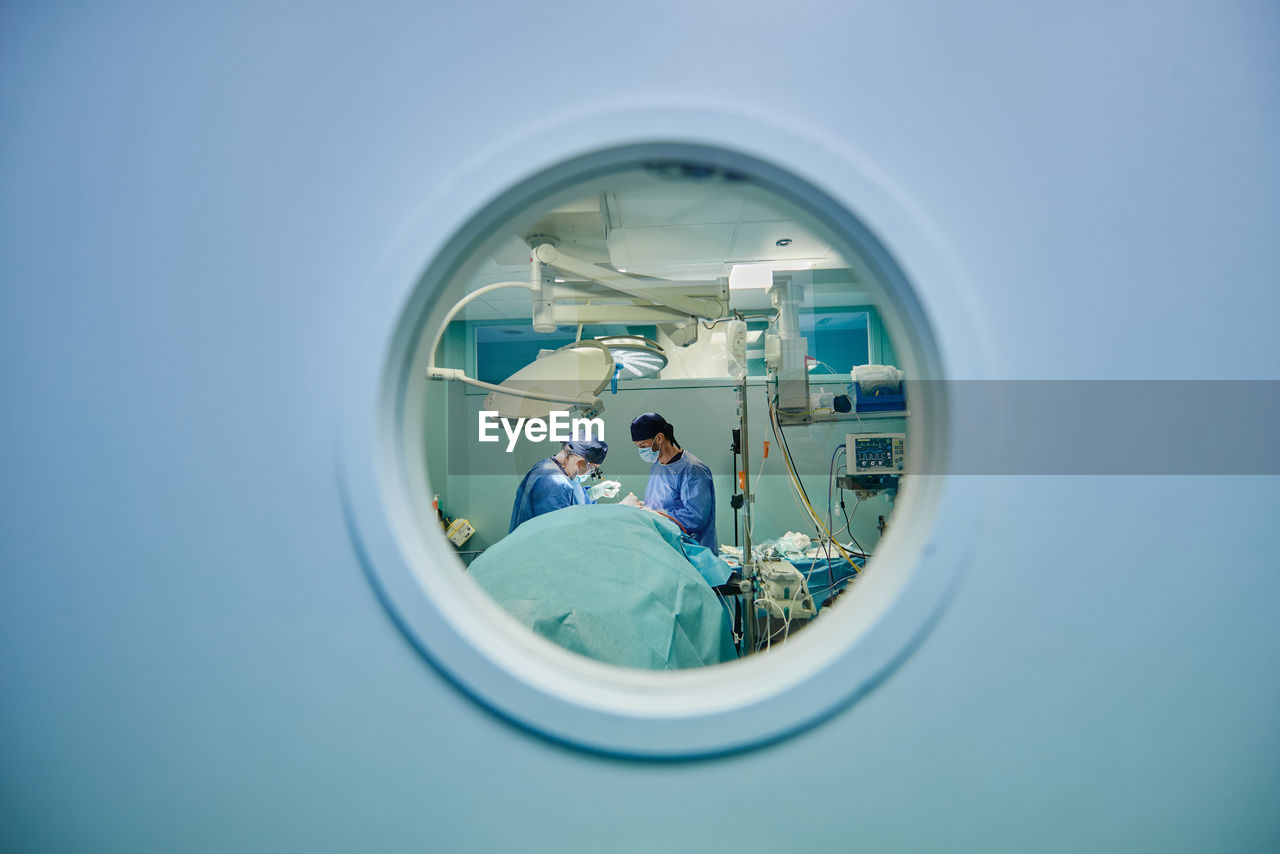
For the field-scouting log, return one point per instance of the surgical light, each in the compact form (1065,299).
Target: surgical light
(575,373)
(636,355)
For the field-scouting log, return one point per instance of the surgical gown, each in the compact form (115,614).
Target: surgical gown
(545,488)
(683,490)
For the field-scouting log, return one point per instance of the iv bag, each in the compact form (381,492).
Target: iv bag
(736,348)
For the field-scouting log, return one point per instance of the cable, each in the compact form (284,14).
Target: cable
(738,314)
(845,527)
(805,505)
(767,640)
(831,485)
(799,486)
(847,515)
(825,365)
(781,442)
(729,611)
(786,449)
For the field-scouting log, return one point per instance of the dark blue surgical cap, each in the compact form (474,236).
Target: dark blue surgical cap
(649,425)
(591,450)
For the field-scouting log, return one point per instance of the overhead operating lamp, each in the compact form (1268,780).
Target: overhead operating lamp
(586,367)
(635,355)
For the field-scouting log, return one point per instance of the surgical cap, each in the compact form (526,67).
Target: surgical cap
(649,425)
(591,450)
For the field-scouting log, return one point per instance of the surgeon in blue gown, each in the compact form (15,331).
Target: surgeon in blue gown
(679,483)
(557,482)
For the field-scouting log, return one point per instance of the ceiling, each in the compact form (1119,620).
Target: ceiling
(647,223)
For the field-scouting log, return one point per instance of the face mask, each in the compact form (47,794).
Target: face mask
(582,478)
(649,455)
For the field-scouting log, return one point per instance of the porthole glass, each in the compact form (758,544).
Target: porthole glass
(713,295)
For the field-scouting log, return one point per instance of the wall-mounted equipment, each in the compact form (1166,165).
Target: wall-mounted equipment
(875,464)
(876,453)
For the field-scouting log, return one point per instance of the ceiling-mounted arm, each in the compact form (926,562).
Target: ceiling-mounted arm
(448,373)
(656,301)
(656,294)
(437,373)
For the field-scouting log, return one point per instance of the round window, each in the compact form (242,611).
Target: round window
(655,458)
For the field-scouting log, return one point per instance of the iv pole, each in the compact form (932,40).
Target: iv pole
(748,564)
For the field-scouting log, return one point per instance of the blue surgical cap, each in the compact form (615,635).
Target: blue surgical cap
(649,425)
(591,450)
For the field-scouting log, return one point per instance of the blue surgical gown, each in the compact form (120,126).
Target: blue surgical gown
(683,490)
(545,488)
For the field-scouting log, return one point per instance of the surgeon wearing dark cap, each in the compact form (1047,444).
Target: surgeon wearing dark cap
(679,483)
(557,482)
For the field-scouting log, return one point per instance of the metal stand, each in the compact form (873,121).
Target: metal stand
(748,565)
(735,445)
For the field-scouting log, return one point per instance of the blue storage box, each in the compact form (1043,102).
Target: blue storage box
(883,400)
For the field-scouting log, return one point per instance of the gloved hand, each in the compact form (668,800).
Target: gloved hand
(605,488)
(631,500)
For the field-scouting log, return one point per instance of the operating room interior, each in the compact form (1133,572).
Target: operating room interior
(789,313)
